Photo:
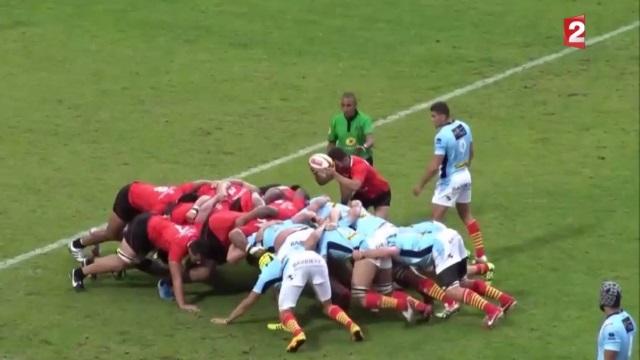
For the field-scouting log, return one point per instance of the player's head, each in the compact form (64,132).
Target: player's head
(272,195)
(301,193)
(610,295)
(349,104)
(254,253)
(355,210)
(265,259)
(340,158)
(199,250)
(439,113)
(263,189)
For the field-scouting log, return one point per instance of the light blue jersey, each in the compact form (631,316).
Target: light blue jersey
(339,243)
(325,211)
(269,276)
(271,233)
(616,334)
(415,249)
(367,224)
(252,240)
(425,227)
(454,142)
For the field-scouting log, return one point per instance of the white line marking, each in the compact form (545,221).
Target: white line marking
(387,120)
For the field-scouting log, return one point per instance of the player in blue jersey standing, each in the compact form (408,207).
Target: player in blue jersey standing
(615,338)
(453,152)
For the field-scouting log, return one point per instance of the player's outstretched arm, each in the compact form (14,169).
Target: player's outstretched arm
(240,310)
(261,212)
(350,184)
(200,182)
(312,241)
(176,278)
(249,186)
(303,216)
(318,202)
(429,173)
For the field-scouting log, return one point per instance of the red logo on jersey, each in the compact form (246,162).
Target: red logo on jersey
(575,31)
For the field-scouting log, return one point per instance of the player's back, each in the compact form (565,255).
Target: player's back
(454,142)
(425,227)
(368,224)
(325,211)
(415,248)
(339,243)
(617,333)
(271,233)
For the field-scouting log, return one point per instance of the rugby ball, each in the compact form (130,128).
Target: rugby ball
(320,161)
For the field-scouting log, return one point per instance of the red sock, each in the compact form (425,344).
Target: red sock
(472,298)
(432,289)
(483,288)
(402,296)
(336,313)
(373,300)
(480,269)
(290,323)
(473,228)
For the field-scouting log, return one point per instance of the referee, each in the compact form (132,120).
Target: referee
(351,130)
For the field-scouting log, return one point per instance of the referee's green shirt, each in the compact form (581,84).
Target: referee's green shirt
(349,134)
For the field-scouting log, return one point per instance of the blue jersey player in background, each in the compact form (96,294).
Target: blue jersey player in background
(615,339)
(453,152)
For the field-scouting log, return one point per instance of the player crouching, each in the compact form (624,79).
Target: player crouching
(444,249)
(296,267)
(148,232)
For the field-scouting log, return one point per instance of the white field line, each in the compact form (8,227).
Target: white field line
(387,120)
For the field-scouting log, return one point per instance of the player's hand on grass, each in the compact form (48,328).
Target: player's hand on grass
(417,190)
(220,321)
(190,308)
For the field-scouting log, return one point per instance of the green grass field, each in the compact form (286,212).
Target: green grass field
(96,94)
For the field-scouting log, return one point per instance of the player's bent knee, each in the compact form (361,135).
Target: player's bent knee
(126,258)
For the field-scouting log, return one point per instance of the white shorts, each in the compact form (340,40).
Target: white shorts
(302,268)
(451,251)
(378,240)
(456,190)
(295,239)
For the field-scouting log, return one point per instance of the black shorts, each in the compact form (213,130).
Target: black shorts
(452,274)
(122,207)
(137,236)
(216,251)
(384,199)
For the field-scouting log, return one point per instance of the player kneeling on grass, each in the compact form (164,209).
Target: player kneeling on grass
(148,232)
(295,267)
(444,249)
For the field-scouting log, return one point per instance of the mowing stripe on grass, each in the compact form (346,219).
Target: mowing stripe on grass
(389,119)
